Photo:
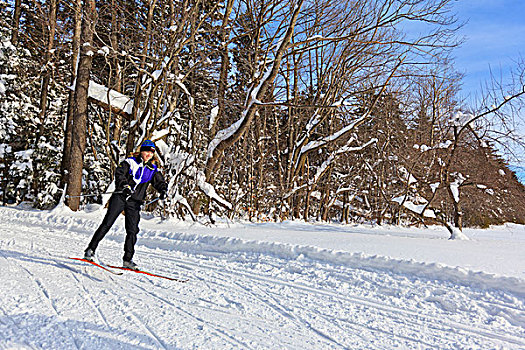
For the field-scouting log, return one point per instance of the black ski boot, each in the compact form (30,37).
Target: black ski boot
(89,255)
(130,265)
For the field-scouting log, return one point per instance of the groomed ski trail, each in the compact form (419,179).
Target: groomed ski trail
(234,300)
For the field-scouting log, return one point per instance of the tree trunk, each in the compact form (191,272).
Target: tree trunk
(16,21)
(325,204)
(458,214)
(78,140)
(66,155)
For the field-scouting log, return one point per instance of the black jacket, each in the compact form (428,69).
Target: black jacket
(138,175)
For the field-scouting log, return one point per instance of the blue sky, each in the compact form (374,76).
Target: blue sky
(495,39)
(494,42)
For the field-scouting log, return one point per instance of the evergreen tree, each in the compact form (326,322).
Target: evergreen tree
(18,114)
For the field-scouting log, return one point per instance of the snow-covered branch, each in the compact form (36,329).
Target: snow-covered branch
(321,170)
(311,146)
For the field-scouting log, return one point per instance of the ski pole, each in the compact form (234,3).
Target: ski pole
(92,195)
(152,201)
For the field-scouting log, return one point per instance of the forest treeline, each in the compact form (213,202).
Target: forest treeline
(268,110)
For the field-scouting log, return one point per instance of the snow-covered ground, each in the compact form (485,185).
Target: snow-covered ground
(259,286)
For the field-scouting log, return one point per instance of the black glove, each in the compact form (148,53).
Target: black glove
(127,191)
(162,195)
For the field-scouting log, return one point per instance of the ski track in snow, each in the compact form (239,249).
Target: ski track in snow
(249,299)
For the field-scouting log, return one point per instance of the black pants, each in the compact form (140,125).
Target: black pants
(132,217)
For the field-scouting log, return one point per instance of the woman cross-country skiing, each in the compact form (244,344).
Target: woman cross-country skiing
(132,178)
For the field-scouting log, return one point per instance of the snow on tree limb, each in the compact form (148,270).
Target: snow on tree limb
(224,134)
(316,144)
(345,149)
(321,170)
(209,190)
(312,145)
(109,98)
(454,188)
(420,209)
(228,132)
(301,150)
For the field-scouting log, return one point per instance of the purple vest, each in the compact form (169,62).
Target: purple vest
(142,172)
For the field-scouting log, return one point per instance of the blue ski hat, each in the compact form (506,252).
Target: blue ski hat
(148,145)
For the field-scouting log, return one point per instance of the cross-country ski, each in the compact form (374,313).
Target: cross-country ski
(103,267)
(182,280)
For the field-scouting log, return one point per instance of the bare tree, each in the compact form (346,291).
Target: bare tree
(229,136)
(445,169)
(342,49)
